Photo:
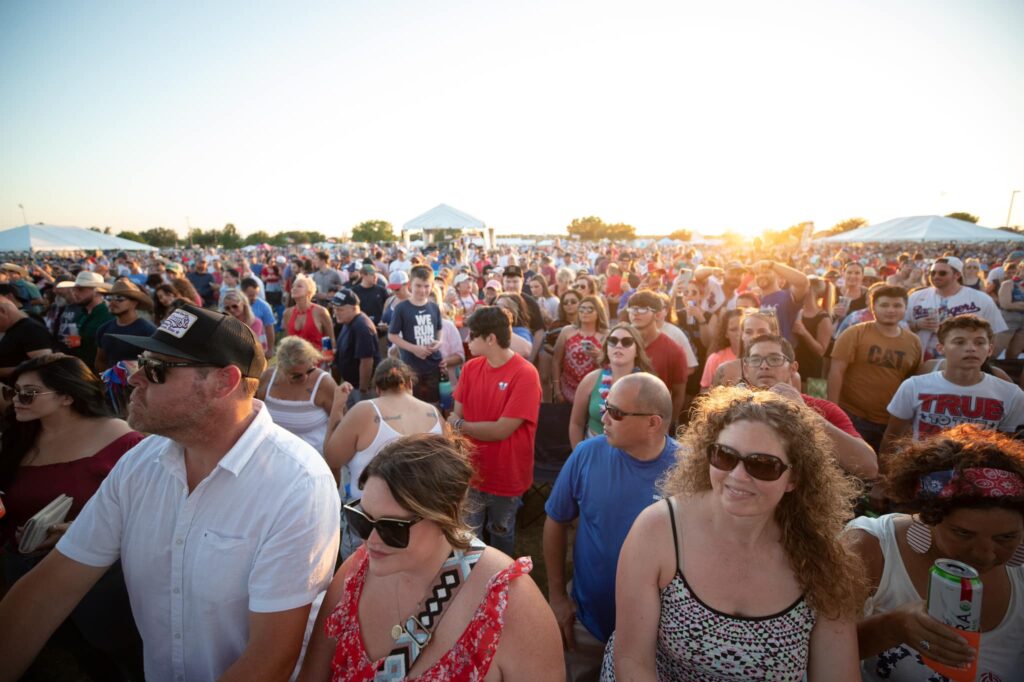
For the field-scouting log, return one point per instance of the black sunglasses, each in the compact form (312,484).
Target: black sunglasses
(624,341)
(393,532)
(155,370)
(760,466)
(115,298)
(618,415)
(24,397)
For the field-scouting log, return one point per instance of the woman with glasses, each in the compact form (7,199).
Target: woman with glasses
(60,438)
(585,285)
(297,392)
(237,305)
(578,348)
(355,436)
(744,556)
(424,599)
(624,354)
(962,497)
(304,318)
(973,276)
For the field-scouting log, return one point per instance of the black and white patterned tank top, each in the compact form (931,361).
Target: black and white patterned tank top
(696,642)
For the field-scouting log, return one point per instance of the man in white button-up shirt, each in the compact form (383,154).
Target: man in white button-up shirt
(226,524)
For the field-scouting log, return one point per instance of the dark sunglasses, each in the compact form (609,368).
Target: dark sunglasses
(116,298)
(393,532)
(760,466)
(297,376)
(624,341)
(618,415)
(24,397)
(155,370)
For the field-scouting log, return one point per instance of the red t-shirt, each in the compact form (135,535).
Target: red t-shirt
(487,394)
(832,413)
(668,359)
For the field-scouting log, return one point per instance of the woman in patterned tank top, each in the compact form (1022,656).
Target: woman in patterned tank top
(756,583)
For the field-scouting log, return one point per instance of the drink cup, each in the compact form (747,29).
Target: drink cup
(954,599)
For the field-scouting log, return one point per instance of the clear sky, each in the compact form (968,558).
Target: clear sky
(665,115)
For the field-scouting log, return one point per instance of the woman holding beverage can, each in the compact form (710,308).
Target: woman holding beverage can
(963,491)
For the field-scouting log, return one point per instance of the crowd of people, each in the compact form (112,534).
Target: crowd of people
(310,462)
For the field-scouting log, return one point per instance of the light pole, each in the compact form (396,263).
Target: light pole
(26,219)
(1013,195)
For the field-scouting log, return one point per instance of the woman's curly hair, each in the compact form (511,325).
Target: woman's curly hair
(811,516)
(966,446)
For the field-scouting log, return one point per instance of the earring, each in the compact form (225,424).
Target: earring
(919,537)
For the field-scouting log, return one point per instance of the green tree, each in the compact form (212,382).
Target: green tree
(132,236)
(159,237)
(257,237)
(682,235)
(844,226)
(960,215)
(95,229)
(619,232)
(229,237)
(586,229)
(373,232)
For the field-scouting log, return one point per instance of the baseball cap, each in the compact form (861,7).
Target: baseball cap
(345,297)
(176,267)
(14,267)
(281,260)
(954,263)
(206,336)
(512,271)
(493,284)
(368,269)
(462,277)
(735,265)
(398,279)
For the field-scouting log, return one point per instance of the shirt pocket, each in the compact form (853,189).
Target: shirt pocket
(222,567)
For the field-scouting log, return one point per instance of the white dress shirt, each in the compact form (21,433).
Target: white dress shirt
(259,533)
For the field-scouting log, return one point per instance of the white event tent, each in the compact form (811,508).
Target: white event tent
(55,238)
(444,217)
(925,228)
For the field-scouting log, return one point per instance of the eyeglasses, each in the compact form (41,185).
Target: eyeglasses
(393,532)
(624,341)
(773,360)
(939,273)
(587,309)
(618,415)
(299,376)
(234,306)
(760,466)
(24,397)
(639,310)
(116,299)
(155,370)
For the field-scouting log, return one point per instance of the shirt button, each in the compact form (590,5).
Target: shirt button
(177,590)
(177,635)
(178,541)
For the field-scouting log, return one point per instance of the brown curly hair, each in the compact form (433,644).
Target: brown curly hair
(965,446)
(812,516)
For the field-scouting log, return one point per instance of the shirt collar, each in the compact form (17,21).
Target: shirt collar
(235,459)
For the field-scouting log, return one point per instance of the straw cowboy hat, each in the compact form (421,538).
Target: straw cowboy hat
(128,289)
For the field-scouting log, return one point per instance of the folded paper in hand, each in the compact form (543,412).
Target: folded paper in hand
(38,526)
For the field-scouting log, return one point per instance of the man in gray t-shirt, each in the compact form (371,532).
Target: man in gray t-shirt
(328,280)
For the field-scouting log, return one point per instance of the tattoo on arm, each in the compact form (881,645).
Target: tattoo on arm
(388,419)
(376,420)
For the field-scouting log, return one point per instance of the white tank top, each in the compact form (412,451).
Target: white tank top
(1002,649)
(385,434)
(304,418)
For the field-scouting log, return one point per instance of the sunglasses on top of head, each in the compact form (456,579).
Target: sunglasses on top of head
(25,397)
(392,532)
(760,466)
(155,370)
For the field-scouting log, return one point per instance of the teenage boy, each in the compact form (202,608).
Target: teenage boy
(497,401)
(787,301)
(416,330)
(667,358)
(958,394)
(870,360)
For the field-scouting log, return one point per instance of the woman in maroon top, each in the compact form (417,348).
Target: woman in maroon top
(59,438)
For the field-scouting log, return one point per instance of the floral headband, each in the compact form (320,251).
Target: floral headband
(974,482)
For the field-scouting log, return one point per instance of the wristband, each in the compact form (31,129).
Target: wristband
(458,424)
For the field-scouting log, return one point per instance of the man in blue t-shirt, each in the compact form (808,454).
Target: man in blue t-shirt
(124,299)
(786,302)
(606,483)
(357,353)
(262,310)
(416,329)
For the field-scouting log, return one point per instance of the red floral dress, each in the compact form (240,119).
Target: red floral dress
(469,659)
(577,363)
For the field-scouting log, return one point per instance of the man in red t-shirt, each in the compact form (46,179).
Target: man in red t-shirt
(768,363)
(497,402)
(667,358)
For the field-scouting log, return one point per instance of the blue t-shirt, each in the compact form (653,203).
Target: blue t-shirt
(264,312)
(607,489)
(116,350)
(785,310)
(421,325)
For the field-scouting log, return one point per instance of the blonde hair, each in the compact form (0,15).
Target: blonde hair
(811,516)
(294,351)
(308,281)
(247,315)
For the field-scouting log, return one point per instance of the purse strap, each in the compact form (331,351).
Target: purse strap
(419,628)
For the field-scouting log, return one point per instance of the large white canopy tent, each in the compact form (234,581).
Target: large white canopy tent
(445,217)
(56,238)
(925,228)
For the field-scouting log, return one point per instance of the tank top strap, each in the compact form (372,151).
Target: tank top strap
(273,377)
(377,410)
(675,536)
(316,386)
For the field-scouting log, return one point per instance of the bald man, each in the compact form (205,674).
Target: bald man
(606,482)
